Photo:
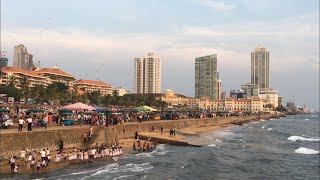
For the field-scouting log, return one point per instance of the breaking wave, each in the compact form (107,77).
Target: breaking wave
(300,138)
(303,150)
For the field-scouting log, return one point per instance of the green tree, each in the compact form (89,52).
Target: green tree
(94,97)
(11,91)
(12,80)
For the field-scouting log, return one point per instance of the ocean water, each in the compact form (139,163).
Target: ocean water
(286,148)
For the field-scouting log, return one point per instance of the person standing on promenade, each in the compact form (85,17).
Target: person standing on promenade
(45,121)
(21,122)
(29,120)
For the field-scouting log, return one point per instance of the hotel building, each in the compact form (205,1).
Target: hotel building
(21,58)
(15,76)
(56,75)
(147,74)
(228,104)
(206,77)
(89,86)
(260,68)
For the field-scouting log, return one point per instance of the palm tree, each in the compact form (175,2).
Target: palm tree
(24,84)
(12,80)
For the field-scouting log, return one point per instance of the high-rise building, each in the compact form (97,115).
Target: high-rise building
(252,90)
(3,61)
(21,58)
(260,68)
(219,89)
(206,77)
(147,74)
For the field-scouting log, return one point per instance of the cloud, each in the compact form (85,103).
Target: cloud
(288,40)
(218,5)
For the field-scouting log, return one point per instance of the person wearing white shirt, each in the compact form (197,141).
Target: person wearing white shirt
(43,155)
(29,120)
(21,122)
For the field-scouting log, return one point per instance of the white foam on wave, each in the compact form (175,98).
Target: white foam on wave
(212,145)
(300,138)
(263,127)
(160,150)
(144,154)
(269,129)
(262,120)
(124,176)
(242,140)
(306,119)
(218,140)
(115,168)
(303,150)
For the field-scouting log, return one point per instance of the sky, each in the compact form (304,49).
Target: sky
(99,39)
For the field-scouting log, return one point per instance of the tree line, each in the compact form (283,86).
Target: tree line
(58,93)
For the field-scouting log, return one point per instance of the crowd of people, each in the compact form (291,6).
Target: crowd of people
(40,160)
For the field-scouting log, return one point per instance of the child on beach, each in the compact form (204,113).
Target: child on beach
(16,169)
(38,166)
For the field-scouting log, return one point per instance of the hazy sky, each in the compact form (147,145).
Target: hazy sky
(98,39)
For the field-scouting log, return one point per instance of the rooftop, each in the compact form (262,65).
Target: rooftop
(22,71)
(53,71)
(91,82)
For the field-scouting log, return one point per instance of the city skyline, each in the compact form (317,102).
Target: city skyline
(195,28)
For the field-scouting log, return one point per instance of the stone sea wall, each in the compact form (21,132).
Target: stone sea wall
(13,143)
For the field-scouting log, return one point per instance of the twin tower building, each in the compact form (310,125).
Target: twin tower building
(147,74)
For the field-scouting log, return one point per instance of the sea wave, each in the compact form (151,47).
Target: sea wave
(218,140)
(269,129)
(212,145)
(123,176)
(303,150)
(115,168)
(242,140)
(307,119)
(262,120)
(300,138)
(160,150)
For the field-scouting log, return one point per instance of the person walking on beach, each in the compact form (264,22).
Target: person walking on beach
(60,145)
(161,130)
(29,120)
(85,135)
(21,122)
(11,162)
(174,132)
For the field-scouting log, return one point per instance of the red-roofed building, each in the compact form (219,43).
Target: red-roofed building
(18,77)
(57,75)
(91,86)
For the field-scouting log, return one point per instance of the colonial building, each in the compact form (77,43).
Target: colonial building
(228,104)
(20,77)
(91,86)
(57,75)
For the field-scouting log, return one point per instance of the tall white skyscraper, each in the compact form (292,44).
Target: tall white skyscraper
(147,74)
(206,77)
(260,68)
(21,58)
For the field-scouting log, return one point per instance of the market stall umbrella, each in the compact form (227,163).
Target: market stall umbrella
(4,110)
(145,108)
(78,107)
(35,110)
(65,112)
(101,109)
